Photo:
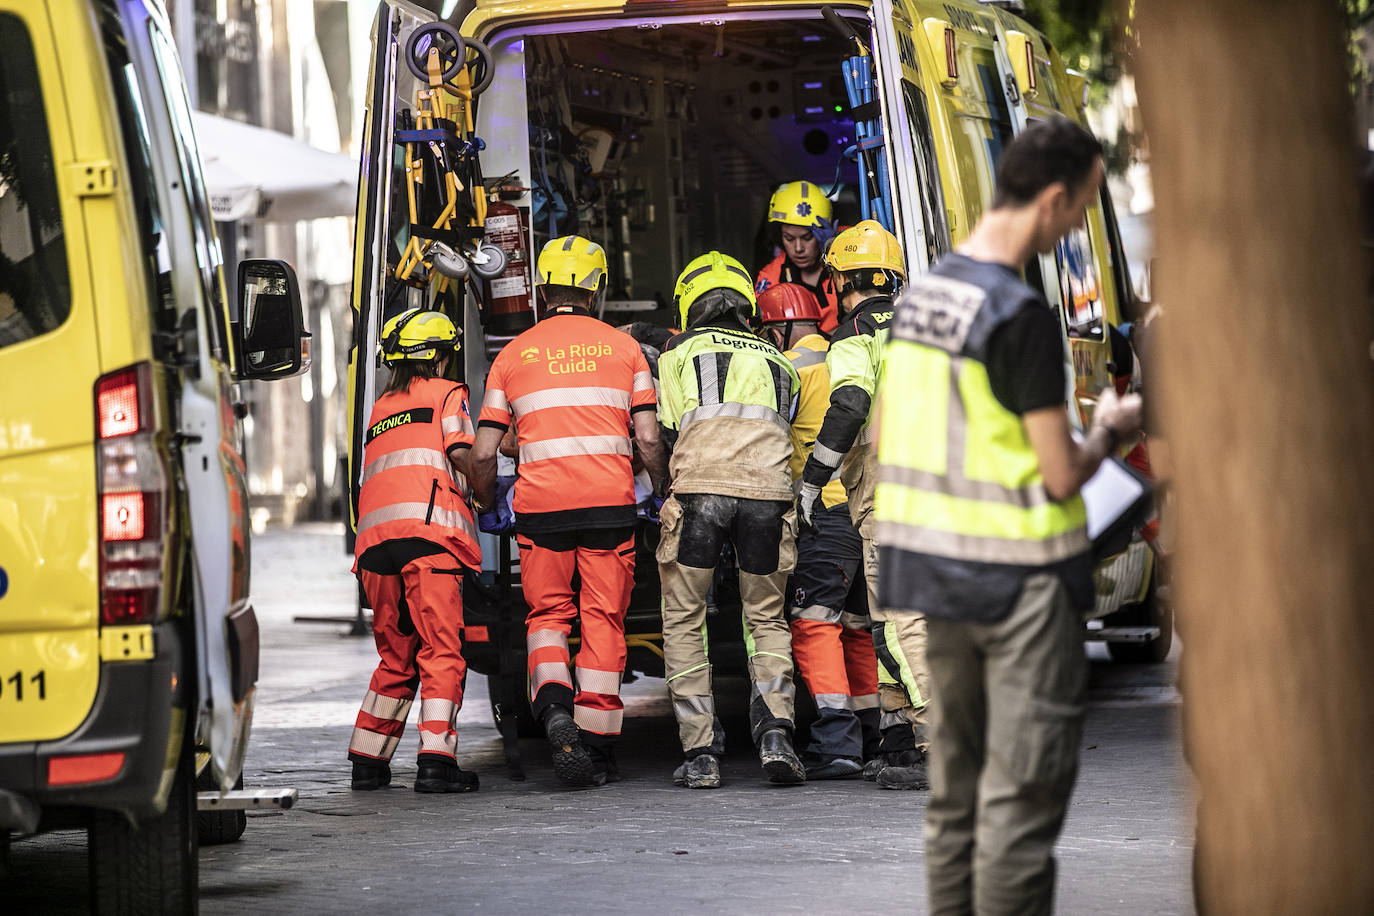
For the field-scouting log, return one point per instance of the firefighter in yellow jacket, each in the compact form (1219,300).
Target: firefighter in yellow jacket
(868,268)
(726,399)
(827,601)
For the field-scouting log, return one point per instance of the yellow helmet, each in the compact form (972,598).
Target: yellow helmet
(573,261)
(866,245)
(799,203)
(418,335)
(711,270)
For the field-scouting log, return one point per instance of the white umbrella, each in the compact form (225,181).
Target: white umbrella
(254,172)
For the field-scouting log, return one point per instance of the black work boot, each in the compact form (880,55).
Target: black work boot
(603,762)
(701,772)
(780,763)
(831,767)
(440,773)
(371,774)
(909,774)
(571,763)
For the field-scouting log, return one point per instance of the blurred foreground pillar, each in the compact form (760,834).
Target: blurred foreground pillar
(1267,396)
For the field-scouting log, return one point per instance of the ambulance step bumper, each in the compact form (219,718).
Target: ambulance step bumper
(245,799)
(1123,634)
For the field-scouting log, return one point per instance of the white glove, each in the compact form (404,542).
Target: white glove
(807,498)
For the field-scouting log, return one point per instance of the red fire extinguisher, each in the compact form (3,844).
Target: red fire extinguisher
(510,308)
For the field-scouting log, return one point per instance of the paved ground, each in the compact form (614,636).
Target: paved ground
(640,846)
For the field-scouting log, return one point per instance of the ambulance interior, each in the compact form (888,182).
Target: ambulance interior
(663,141)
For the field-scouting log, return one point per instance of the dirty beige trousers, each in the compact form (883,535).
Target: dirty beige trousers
(1007,718)
(898,637)
(693,529)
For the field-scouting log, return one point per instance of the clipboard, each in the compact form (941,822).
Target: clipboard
(1118,499)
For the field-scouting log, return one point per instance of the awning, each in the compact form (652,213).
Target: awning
(252,172)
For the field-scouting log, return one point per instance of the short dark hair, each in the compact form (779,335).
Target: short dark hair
(1057,150)
(554,294)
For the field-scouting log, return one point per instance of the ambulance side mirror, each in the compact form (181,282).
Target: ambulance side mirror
(269,334)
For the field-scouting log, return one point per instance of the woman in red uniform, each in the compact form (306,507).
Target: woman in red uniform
(416,536)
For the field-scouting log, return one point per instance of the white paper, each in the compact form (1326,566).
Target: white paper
(1108,495)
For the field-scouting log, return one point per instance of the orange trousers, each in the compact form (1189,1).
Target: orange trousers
(417,622)
(604,559)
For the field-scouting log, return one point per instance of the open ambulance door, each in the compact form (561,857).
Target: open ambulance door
(374,226)
(920,212)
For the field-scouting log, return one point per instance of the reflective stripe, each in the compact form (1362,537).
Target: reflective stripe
(406,457)
(852,621)
(688,707)
(865,701)
(708,382)
(593,680)
(592,280)
(961,488)
(542,639)
(643,381)
(827,455)
(574,446)
(867,435)
(373,744)
(437,711)
(983,549)
(572,396)
(834,700)
(383,707)
(447,518)
(806,358)
(888,719)
(495,398)
(451,425)
(733,409)
(782,684)
(816,612)
(601,721)
(443,741)
(549,673)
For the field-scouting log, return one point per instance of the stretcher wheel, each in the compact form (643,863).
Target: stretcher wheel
(489,261)
(453,51)
(448,262)
(486,68)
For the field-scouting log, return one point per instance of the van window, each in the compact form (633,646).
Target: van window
(133,123)
(927,173)
(35,289)
(188,155)
(1079,287)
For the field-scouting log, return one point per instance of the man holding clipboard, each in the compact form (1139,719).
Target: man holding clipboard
(982,528)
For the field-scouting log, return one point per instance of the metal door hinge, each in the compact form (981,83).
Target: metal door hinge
(93,179)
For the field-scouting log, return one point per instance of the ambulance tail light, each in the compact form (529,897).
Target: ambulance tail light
(132,493)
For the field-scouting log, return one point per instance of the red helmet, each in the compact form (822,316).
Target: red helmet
(788,302)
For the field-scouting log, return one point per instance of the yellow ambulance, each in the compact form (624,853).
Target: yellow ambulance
(128,643)
(660,128)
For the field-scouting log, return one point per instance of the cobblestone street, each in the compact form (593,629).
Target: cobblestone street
(639,846)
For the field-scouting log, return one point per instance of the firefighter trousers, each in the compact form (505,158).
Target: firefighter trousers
(417,622)
(831,641)
(695,527)
(899,638)
(604,559)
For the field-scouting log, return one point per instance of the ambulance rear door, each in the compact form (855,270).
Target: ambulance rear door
(375,228)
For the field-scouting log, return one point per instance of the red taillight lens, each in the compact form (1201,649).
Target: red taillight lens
(68,771)
(133,487)
(119,404)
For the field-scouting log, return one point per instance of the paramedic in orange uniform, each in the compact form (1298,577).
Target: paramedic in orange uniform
(416,536)
(581,397)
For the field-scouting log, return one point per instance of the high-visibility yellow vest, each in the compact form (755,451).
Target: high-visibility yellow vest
(959,486)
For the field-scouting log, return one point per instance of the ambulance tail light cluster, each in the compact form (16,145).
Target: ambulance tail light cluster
(132,495)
